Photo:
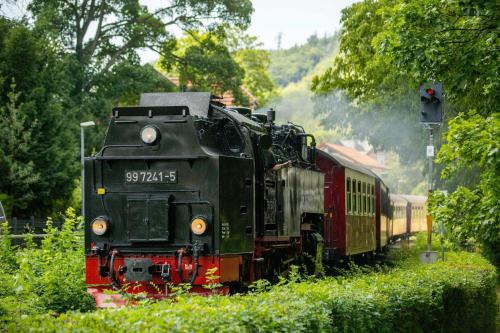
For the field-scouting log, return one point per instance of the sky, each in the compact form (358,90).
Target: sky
(295,19)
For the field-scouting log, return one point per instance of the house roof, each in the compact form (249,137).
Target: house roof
(352,155)
(227,97)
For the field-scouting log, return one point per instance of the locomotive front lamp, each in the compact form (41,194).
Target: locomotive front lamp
(100,226)
(198,226)
(150,135)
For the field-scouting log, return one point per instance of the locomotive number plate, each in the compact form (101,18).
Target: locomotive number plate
(151,177)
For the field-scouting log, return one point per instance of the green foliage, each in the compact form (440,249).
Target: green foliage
(364,93)
(387,49)
(462,53)
(73,62)
(453,296)
(472,214)
(100,34)
(204,63)
(221,61)
(37,147)
(49,277)
(255,61)
(7,250)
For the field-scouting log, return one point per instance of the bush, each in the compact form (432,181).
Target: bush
(453,296)
(46,278)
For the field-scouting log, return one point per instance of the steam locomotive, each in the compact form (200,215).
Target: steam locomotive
(187,190)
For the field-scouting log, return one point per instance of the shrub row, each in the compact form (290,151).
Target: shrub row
(49,277)
(453,296)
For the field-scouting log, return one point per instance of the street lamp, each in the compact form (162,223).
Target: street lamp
(82,155)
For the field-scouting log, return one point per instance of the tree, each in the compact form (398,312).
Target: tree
(37,147)
(363,93)
(472,214)
(101,33)
(221,61)
(255,61)
(388,48)
(391,46)
(204,63)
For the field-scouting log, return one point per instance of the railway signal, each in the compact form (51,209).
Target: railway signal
(431,116)
(431,103)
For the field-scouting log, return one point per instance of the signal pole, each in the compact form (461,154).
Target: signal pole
(431,116)
(430,157)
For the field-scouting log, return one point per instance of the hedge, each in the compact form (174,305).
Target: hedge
(453,296)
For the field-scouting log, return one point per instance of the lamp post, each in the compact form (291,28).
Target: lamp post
(82,156)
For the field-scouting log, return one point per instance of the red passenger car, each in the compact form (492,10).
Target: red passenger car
(350,225)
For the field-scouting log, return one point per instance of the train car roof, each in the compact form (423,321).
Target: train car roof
(414,198)
(344,162)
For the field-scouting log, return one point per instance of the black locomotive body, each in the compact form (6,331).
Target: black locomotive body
(187,190)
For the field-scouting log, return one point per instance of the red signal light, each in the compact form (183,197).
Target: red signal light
(430,91)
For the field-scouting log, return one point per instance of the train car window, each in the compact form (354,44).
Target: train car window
(369,199)
(373,200)
(348,195)
(354,197)
(360,209)
(363,186)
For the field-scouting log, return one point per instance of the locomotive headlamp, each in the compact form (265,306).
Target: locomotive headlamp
(100,225)
(198,226)
(150,134)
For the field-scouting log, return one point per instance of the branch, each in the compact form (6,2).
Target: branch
(112,60)
(90,49)
(479,33)
(90,17)
(112,25)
